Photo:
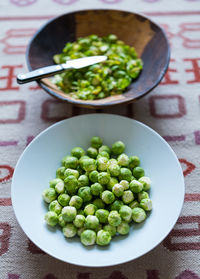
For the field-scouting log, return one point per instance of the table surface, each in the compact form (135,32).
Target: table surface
(172,109)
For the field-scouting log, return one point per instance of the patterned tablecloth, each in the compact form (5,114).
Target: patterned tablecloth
(172,109)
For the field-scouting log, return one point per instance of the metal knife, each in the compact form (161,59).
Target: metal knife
(56,69)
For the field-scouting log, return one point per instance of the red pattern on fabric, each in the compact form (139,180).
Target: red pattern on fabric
(33,248)
(189,165)
(153,274)
(187,274)
(195,69)
(187,31)
(10,77)
(5,202)
(21,111)
(4,237)
(167,78)
(10,172)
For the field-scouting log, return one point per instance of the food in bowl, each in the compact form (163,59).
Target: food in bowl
(98,195)
(98,81)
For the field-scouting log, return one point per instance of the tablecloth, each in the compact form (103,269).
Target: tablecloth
(172,109)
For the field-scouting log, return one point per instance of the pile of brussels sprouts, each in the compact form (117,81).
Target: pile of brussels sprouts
(98,81)
(96,194)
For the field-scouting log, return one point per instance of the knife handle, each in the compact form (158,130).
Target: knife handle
(40,73)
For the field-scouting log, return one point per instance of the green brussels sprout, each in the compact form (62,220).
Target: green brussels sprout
(116,205)
(88,237)
(82,159)
(96,189)
(80,170)
(118,148)
(114,169)
(105,148)
(98,228)
(134,161)
(103,238)
(79,221)
(51,218)
(146,182)
(93,176)
(71,184)
(89,164)
(91,222)
(112,38)
(111,183)
(69,213)
(138,215)
(112,161)
(76,201)
(63,160)
(90,209)
(99,203)
(143,195)
(138,172)
(111,229)
(61,221)
(85,193)
(103,178)
(80,230)
(127,197)
(125,184)
(123,228)
(69,230)
(77,152)
(125,213)
(102,215)
(114,218)
(83,180)
(71,172)
(49,195)
(134,204)
(103,154)
(71,162)
(125,174)
(92,152)
(96,142)
(60,173)
(118,190)
(108,197)
(136,186)
(102,163)
(55,207)
(60,187)
(146,204)
(64,199)
(80,212)
(53,182)
(123,160)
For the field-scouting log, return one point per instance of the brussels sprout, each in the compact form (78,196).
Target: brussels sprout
(69,230)
(123,228)
(88,237)
(125,184)
(77,152)
(79,221)
(103,154)
(118,148)
(71,184)
(61,221)
(125,213)
(105,148)
(69,213)
(111,229)
(93,176)
(60,173)
(49,195)
(103,178)
(60,187)
(143,195)
(91,222)
(134,161)
(98,228)
(146,204)
(103,238)
(138,215)
(96,142)
(85,193)
(55,207)
(64,199)
(114,218)
(102,163)
(53,182)
(108,197)
(89,164)
(99,203)
(51,218)
(71,172)
(125,174)
(111,183)
(80,230)
(136,186)
(102,215)
(83,180)
(114,169)
(116,205)
(76,201)
(146,182)
(138,172)
(123,160)
(71,162)
(118,190)
(96,189)
(92,152)
(82,159)
(134,204)
(127,197)
(90,209)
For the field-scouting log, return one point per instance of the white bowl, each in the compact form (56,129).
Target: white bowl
(39,161)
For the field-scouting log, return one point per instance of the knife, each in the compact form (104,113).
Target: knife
(56,69)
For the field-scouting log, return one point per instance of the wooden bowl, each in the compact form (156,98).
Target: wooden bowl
(147,37)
